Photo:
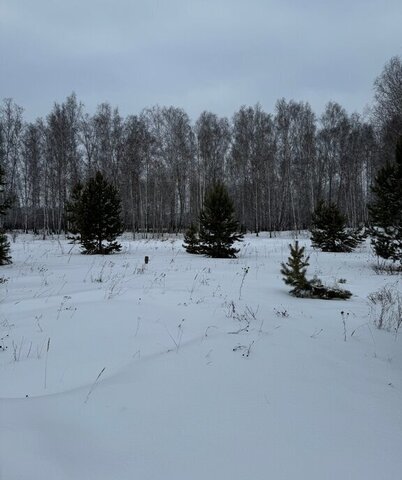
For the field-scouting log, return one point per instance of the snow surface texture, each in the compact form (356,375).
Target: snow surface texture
(193,368)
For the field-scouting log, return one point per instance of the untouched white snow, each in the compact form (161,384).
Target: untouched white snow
(177,397)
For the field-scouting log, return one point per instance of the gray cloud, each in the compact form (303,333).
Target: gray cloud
(214,55)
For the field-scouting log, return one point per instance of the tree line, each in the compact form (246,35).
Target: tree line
(277,167)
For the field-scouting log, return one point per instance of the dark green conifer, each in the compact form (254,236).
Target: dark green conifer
(5,258)
(294,274)
(96,216)
(218,227)
(294,271)
(328,230)
(191,240)
(386,209)
(73,211)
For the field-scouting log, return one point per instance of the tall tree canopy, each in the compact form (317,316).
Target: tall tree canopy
(276,165)
(5,257)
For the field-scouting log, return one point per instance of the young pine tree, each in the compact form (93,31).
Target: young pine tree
(191,240)
(294,274)
(73,211)
(328,230)
(5,257)
(95,214)
(386,210)
(218,227)
(294,271)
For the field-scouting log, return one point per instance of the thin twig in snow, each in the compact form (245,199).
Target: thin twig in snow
(316,333)
(47,353)
(93,385)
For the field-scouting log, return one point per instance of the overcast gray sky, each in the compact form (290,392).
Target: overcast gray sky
(199,55)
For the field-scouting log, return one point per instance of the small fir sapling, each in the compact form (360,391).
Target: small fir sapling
(191,240)
(218,227)
(5,258)
(329,232)
(73,212)
(386,210)
(95,213)
(294,274)
(294,271)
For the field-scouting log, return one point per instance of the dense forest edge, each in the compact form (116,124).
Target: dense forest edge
(277,167)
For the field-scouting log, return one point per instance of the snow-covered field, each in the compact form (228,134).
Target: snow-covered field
(193,368)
